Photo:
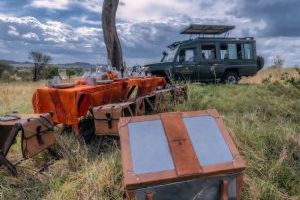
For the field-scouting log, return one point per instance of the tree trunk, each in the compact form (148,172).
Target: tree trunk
(111,39)
(35,73)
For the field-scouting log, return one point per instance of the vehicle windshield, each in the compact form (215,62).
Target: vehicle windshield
(169,54)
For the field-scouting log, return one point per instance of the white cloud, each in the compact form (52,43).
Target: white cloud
(84,20)
(54,33)
(160,11)
(149,10)
(287,47)
(145,27)
(50,4)
(13,31)
(91,5)
(31,36)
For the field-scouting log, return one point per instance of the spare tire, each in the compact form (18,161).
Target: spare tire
(260,62)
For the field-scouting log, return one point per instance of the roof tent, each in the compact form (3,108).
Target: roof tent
(206,29)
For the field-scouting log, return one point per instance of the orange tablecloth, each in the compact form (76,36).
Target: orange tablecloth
(67,105)
(145,85)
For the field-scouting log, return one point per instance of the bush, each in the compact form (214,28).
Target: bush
(5,67)
(49,72)
(5,76)
(24,75)
(70,73)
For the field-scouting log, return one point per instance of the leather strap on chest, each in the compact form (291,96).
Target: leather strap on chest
(183,153)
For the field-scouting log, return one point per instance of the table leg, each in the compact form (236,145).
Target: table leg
(54,153)
(65,127)
(10,139)
(75,129)
(99,145)
(9,165)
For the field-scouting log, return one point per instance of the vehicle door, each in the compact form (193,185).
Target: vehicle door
(241,56)
(209,61)
(185,65)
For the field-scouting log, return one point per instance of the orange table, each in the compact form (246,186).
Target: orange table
(67,105)
(145,85)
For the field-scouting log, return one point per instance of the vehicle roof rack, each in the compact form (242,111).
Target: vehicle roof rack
(206,29)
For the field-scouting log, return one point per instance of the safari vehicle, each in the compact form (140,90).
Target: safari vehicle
(207,57)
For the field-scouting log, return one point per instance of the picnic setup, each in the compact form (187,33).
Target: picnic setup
(149,100)
(182,155)
(70,103)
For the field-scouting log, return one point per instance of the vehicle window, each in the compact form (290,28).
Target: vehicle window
(169,54)
(187,55)
(232,51)
(248,51)
(240,52)
(224,51)
(208,52)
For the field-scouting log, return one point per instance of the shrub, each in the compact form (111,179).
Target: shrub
(5,67)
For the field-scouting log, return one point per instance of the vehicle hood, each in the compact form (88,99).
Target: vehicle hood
(159,66)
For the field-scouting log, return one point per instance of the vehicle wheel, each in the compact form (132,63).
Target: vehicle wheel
(231,78)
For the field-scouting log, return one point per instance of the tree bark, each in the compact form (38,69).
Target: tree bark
(35,73)
(111,39)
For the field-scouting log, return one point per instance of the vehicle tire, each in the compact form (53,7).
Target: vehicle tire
(231,78)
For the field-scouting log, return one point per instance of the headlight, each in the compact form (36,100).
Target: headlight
(145,68)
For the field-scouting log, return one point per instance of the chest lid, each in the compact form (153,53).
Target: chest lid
(175,146)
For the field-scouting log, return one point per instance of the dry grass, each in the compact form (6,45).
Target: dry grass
(271,74)
(263,120)
(17,96)
(89,176)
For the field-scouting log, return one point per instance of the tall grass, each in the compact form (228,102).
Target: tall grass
(271,75)
(16,96)
(263,120)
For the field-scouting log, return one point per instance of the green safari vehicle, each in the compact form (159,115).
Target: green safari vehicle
(208,58)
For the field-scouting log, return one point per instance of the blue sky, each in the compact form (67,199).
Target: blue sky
(70,30)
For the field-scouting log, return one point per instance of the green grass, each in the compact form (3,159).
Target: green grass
(263,120)
(264,123)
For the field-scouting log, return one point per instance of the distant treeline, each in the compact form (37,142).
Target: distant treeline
(9,73)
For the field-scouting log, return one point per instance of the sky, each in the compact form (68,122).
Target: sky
(71,30)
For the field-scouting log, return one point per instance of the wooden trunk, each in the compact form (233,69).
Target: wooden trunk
(179,156)
(37,135)
(107,117)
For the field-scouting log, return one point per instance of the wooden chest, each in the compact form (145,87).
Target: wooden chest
(179,156)
(106,118)
(37,134)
